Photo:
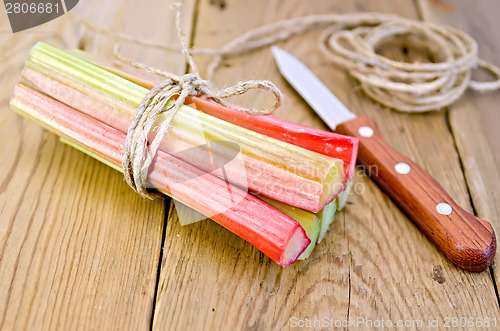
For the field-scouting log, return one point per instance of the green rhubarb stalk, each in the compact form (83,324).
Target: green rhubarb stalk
(309,221)
(274,168)
(316,225)
(275,234)
(326,216)
(342,197)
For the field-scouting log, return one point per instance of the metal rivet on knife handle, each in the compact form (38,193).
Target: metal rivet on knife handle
(365,131)
(444,208)
(402,168)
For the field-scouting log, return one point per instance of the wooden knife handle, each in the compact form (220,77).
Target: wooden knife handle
(466,240)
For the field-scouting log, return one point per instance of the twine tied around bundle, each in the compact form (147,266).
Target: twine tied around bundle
(137,154)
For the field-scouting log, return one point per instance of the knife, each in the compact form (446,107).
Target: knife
(466,240)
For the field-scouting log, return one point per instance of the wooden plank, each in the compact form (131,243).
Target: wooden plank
(373,264)
(475,119)
(78,248)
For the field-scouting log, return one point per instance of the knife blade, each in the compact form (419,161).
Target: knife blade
(466,240)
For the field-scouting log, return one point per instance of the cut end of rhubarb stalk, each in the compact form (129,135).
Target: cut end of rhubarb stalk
(342,198)
(307,220)
(295,247)
(326,215)
(335,184)
(312,234)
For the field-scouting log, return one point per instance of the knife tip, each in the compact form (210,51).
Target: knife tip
(276,51)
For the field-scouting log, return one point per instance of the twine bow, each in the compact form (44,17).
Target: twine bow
(137,155)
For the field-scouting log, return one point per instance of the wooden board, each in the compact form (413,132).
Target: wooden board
(474,120)
(373,264)
(78,248)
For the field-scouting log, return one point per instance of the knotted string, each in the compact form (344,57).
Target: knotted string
(137,154)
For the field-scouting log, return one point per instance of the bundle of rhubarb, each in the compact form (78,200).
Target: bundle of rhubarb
(282,200)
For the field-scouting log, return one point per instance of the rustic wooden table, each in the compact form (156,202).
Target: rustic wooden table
(79,249)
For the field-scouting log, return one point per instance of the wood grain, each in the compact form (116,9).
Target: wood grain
(466,240)
(474,119)
(373,264)
(78,248)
